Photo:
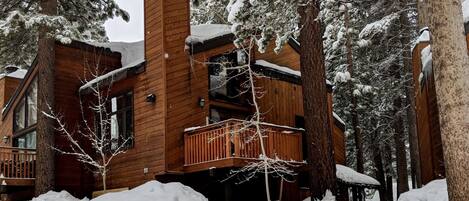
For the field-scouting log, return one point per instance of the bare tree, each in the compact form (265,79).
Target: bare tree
(98,133)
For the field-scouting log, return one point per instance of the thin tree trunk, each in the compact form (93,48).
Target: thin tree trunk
(104,180)
(355,118)
(319,137)
(45,177)
(451,71)
(388,170)
(410,100)
(378,161)
(401,158)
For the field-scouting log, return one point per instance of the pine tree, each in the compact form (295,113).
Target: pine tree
(20,21)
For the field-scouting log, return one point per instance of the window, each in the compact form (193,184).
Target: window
(121,120)
(226,84)
(27,141)
(25,119)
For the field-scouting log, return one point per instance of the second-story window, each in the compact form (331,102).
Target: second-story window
(224,79)
(122,122)
(25,119)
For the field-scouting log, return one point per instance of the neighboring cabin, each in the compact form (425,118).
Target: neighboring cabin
(427,116)
(170,131)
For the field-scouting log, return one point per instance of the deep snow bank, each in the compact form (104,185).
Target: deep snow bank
(150,191)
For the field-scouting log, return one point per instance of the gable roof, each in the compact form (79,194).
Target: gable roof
(109,49)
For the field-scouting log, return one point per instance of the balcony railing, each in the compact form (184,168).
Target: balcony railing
(17,164)
(236,139)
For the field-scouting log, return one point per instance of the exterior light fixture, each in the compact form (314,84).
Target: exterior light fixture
(201,102)
(151,98)
(6,139)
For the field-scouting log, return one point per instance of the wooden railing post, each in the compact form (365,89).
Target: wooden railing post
(236,135)
(228,140)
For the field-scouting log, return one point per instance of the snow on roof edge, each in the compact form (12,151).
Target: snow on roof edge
(204,32)
(351,176)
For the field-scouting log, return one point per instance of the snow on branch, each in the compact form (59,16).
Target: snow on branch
(378,27)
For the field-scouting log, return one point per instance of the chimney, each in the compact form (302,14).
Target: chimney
(8,85)
(167,25)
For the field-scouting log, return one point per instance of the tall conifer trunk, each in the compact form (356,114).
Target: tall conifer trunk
(353,110)
(450,65)
(319,137)
(410,99)
(45,161)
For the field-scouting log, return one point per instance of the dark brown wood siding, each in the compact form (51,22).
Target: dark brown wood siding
(428,126)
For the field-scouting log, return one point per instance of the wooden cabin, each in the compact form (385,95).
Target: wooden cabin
(170,105)
(428,125)
(427,116)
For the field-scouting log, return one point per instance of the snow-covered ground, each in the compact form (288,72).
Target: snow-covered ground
(150,191)
(433,191)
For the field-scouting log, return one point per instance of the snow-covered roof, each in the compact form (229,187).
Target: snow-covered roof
(131,53)
(424,35)
(337,117)
(19,74)
(205,32)
(350,176)
(282,69)
(436,190)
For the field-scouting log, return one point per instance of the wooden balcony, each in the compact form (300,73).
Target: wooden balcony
(17,166)
(232,143)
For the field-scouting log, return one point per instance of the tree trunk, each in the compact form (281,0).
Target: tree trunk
(353,110)
(45,160)
(319,137)
(451,82)
(104,180)
(388,170)
(410,99)
(424,13)
(401,159)
(378,161)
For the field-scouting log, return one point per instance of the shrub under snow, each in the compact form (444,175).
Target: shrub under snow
(150,191)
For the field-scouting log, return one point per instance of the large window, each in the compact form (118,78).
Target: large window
(122,122)
(25,119)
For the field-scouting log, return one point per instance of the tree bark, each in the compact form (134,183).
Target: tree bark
(424,13)
(450,65)
(319,137)
(45,168)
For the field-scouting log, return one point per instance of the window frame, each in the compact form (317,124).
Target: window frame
(130,108)
(23,101)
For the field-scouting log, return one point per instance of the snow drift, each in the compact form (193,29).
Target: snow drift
(57,196)
(150,191)
(433,191)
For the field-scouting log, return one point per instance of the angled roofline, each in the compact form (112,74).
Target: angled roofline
(74,44)
(18,89)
